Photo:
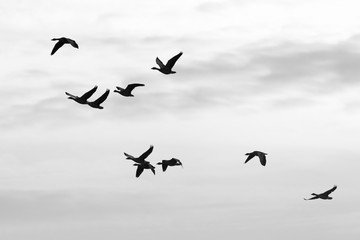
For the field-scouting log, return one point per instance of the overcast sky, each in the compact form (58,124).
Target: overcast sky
(279,76)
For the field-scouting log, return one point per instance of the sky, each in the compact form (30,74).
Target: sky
(279,76)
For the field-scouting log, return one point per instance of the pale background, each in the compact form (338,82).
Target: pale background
(280,76)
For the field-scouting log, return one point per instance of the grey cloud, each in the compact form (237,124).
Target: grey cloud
(256,76)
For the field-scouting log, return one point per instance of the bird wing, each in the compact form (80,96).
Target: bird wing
(164,166)
(316,197)
(88,94)
(173,60)
(147,153)
(58,45)
(139,170)
(130,87)
(69,94)
(159,62)
(262,159)
(152,168)
(329,191)
(128,156)
(251,155)
(73,43)
(102,98)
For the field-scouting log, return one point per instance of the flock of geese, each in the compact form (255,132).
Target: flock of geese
(140,161)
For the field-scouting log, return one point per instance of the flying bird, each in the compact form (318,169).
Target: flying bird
(166,69)
(100,100)
(261,156)
(83,99)
(61,42)
(140,161)
(324,195)
(142,157)
(171,162)
(142,166)
(127,91)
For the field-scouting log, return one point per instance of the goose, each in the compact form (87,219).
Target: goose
(127,91)
(261,156)
(83,99)
(142,166)
(142,157)
(100,100)
(61,42)
(324,195)
(171,162)
(166,69)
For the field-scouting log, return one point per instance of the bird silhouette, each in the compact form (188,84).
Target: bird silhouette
(61,42)
(140,161)
(261,156)
(83,99)
(167,69)
(142,166)
(171,162)
(127,91)
(142,157)
(100,100)
(324,195)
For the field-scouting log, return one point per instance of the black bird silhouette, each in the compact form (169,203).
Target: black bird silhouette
(140,161)
(324,195)
(83,99)
(100,100)
(261,156)
(61,42)
(142,166)
(127,91)
(166,69)
(142,157)
(171,162)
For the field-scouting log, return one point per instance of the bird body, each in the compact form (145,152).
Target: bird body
(127,91)
(324,195)
(261,155)
(100,100)
(61,42)
(167,69)
(83,99)
(171,162)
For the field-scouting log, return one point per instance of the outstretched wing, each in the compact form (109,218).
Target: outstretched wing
(73,43)
(152,168)
(70,95)
(89,93)
(128,156)
(262,159)
(173,60)
(147,153)
(164,166)
(131,87)
(159,62)
(251,155)
(330,191)
(119,88)
(102,98)
(58,45)
(316,197)
(139,170)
